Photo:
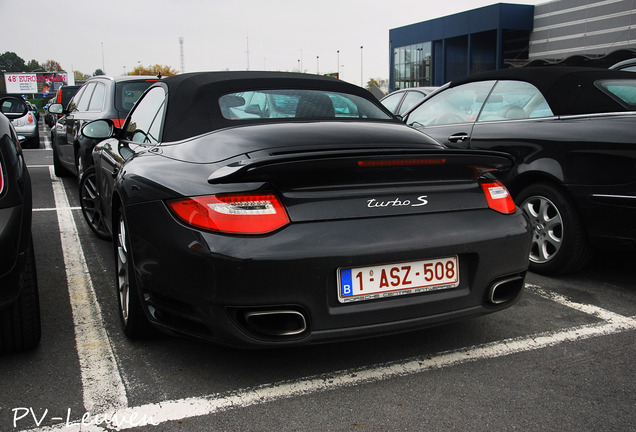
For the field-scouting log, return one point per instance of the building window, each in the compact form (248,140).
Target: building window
(412,66)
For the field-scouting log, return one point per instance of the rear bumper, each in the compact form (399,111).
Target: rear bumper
(28,131)
(205,285)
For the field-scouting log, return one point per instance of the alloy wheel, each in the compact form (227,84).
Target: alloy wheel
(91,206)
(547,226)
(123,276)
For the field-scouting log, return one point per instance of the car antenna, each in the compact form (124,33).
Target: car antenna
(159,75)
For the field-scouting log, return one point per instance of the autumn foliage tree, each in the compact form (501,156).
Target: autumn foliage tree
(52,66)
(154,70)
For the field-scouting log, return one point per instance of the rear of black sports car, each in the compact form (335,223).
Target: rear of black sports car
(308,243)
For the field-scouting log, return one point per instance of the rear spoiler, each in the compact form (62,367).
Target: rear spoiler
(303,162)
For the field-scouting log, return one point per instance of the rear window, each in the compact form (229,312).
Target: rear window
(309,104)
(128,92)
(623,91)
(67,93)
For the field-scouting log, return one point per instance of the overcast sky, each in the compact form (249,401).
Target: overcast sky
(118,35)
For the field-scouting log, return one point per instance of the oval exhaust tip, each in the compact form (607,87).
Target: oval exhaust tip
(278,323)
(505,290)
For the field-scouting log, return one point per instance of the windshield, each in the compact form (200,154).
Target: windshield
(306,104)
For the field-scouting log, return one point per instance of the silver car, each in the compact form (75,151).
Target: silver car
(23,119)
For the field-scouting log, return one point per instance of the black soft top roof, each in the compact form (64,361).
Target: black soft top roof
(193,107)
(568,90)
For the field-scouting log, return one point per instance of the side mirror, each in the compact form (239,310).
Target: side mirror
(13,107)
(98,129)
(56,108)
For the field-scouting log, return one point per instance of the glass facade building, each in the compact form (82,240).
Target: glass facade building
(433,52)
(412,65)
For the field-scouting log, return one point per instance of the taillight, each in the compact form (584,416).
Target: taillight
(118,122)
(232,213)
(1,178)
(498,197)
(30,118)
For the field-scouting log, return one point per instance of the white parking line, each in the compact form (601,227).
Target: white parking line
(103,388)
(44,135)
(175,410)
(55,209)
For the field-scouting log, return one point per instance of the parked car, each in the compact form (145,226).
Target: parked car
(101,97)
(318,224)
(34,109)
(572,132)
(19,301)
(628,65)
(63,96)
(24,121)
(400,101)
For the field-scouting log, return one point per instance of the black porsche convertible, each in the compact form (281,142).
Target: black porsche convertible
(263,208)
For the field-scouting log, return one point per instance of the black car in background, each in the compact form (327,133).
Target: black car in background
(63,96)
(271,209)
(101,97)
(19,301)
(572,132)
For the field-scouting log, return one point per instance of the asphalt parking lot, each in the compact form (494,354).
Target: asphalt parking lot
(561,359)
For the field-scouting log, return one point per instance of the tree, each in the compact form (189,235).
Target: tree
(373,82)
(98,72)
(33,66)
(11,62)
(154,70)
(52,66)
(80,77)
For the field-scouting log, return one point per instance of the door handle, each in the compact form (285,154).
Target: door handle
(460,137)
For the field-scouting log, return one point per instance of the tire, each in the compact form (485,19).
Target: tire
(133,320)
(559,243)
(34,141)
(20,328)
(91,204)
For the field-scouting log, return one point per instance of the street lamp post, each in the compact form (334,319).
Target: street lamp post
(361,68)
(103,67)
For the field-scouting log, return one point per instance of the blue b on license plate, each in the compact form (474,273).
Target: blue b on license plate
(372,282)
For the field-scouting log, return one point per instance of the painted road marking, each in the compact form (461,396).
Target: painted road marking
(175,410)
(56,209)
(103,388)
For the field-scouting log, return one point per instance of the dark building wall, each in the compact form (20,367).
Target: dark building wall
(466,42)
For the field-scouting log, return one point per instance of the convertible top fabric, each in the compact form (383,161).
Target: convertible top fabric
(193,107)
(568,90)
